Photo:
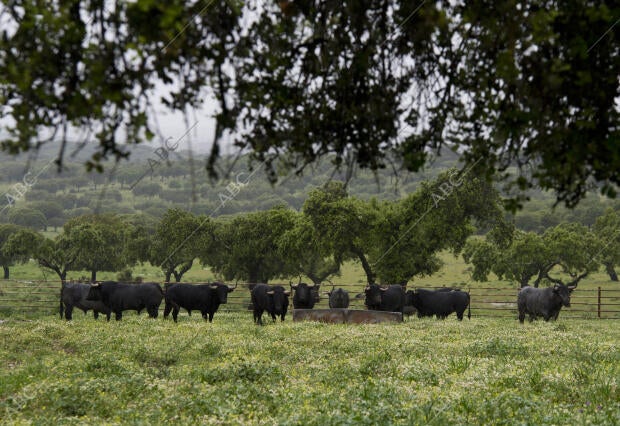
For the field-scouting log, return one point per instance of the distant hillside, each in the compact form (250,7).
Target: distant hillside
(147,184)
(78,152)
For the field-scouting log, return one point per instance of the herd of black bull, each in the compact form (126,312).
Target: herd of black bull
(113,297)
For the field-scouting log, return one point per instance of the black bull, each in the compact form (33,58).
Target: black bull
(390,299)
(274,300)
(440,303)
(338,298)
(305,296)
(119,297)
(205,298)
(544,302)
(73,295)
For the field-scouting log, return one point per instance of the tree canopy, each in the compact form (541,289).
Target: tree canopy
(374,82)
(101,242)
(246,247)
(569,247)
(396,241)
(176,242)
(8,258)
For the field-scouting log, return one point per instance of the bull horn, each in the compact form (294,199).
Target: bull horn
(382,289)
(214,285)
(96,285)
(293,287)
(232,288)
(270,292)
(287,293)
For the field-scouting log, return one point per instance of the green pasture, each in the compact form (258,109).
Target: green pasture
(427,372)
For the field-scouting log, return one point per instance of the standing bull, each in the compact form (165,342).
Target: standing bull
(205,298)
(274,300)
(305,296)
(390,299)
(441,302)
(338,298)
(74,295)
(119,297)
(545,302)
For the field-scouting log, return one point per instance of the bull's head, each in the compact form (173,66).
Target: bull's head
(280,299)
(373,296)
(564,293)
(94,293)
(222,291)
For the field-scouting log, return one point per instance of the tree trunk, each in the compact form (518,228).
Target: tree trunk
(168,273)
(314,278)
(611,271)
(370,276)
(93,276)
(184,267)
(253,277)
(6,272)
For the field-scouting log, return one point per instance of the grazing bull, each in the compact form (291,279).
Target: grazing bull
(338,298)
(119,297)
(205,298)
(305,296)
(390,299)
(545,302)
(74,295)
(441,302)
(274,300)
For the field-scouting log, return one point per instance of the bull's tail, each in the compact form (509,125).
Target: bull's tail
(468,305)
(62,288)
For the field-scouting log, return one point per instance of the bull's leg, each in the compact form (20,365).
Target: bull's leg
(258,314)
(167,309)
(96,314)
(108,315)
(521,316)
(153,311)
(118,315)
(175,313)
(459,315)
(211,316)
(68,312)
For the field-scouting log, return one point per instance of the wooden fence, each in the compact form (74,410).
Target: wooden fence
(42,298)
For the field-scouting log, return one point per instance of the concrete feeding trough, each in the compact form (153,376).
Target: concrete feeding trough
(346,316)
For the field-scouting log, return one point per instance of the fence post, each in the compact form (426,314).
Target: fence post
(599,302)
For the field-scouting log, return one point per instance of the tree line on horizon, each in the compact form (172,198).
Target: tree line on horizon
(393,240)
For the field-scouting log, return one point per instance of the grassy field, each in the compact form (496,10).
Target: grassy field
(483,371)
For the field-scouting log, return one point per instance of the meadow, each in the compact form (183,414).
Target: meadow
(487,370)
(423,371)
